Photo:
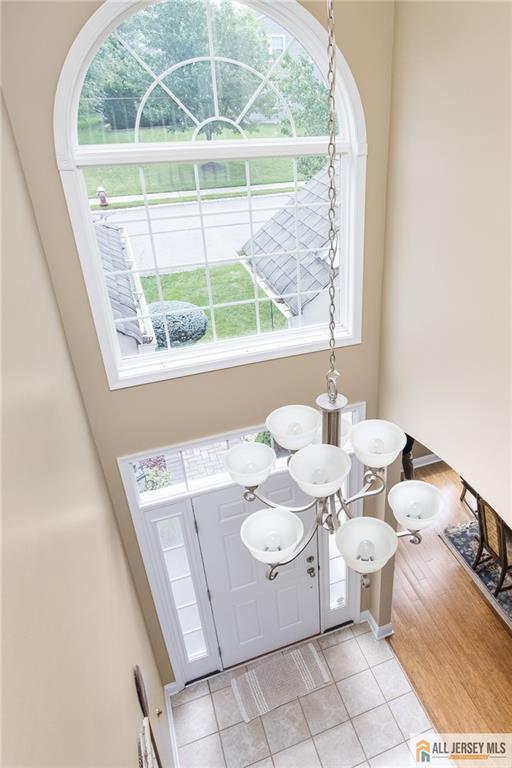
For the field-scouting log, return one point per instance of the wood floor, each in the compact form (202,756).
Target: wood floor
(455,649)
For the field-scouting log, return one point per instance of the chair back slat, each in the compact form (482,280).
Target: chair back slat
(492,528)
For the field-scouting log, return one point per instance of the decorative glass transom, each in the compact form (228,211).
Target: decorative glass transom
(186,70)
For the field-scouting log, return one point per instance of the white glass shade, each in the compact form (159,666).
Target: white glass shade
(366,543)
(293,426)
(319,470)
(415,503)
(272,535)
(249,464)
(377,443)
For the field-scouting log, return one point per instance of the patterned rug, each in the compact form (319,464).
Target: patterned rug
(462,540)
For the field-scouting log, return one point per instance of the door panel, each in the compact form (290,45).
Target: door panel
(253,615)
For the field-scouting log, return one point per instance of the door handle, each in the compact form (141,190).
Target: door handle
(312,572)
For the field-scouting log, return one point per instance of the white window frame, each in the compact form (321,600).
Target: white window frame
(72,158)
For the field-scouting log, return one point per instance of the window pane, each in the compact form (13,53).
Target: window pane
(189,618)
(230,283)
(160,30)
(176,562)
(333,549)
(170,532)
(337,569)
(195,645)
(159,477)
(205,465)
(302,86)
(337,594)
(233,322)
(183,592)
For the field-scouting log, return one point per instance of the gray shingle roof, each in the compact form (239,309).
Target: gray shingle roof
(278,235)
(120,288)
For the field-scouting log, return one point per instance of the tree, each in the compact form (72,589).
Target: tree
(165,34)
(307,97)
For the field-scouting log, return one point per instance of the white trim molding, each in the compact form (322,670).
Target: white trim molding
(73,160)
(169,689)
(424,461)
(379,632)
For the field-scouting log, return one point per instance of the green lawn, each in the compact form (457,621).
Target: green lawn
(125,180)
(179,177)
(231,282)
(96,133)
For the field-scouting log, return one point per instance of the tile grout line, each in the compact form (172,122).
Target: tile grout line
(260,718)
(349,720)
(309,729)
(218,728)
(357,737)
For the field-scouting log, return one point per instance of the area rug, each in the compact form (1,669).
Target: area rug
(279,680)
(462,540)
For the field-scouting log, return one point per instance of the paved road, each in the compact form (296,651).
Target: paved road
(176,230)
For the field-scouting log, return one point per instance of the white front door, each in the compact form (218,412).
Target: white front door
(253,615)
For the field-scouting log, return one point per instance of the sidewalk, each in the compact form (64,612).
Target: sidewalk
(212,191)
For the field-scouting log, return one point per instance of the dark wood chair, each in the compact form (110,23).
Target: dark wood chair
(467,488)
(496,540)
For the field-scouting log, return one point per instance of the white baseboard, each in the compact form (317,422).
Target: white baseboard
(379,632)
(424,461)
(168,690)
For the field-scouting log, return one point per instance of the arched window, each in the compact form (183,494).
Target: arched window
(191,140)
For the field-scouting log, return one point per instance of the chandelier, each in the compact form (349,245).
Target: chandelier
(275,534)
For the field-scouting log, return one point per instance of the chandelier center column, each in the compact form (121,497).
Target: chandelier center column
(334,430)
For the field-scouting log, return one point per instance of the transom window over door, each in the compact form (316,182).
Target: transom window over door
(192,149)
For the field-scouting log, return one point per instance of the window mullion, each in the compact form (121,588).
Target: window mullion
(212,58)
(163,316)
(156,78)
(263,83)
(297,260)
(205,252)
(251,229)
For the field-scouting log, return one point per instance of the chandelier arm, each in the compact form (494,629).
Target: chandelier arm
(333,513)
(271,572)
(344,506)
(416,537)
(250,495)
(367,491)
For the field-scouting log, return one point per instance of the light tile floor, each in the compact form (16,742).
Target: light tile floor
(363,718)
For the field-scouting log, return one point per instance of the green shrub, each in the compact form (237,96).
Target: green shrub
(184,327)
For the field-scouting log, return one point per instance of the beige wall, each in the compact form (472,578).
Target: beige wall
(72,625)
(37,36)
(446,325)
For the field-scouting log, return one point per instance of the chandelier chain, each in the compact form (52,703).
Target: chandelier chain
(332,375)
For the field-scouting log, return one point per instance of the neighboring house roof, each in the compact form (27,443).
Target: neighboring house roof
(121,288)
(284,233)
